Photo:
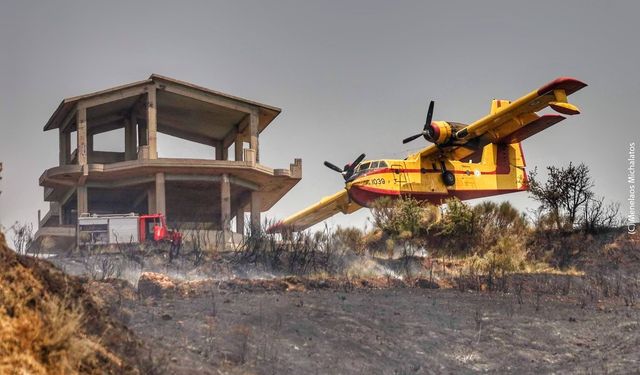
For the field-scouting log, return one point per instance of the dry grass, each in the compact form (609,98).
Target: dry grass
(39,332)
(50,325)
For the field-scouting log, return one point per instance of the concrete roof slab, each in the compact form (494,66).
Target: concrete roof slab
(194,111)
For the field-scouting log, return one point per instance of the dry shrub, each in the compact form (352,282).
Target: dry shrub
(623,244)
(494,222)
(351,239)
(39,332)
(564,249)
(507,256)
(299,253)
(50,325)
(375,241)
(404,214)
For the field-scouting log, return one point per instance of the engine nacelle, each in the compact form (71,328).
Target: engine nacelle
(442,132)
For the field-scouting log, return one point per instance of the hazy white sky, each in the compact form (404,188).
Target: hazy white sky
(350,76)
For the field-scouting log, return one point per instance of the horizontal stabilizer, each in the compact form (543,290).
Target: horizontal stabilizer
(564,108)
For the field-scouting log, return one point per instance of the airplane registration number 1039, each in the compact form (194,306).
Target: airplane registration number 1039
(375,181)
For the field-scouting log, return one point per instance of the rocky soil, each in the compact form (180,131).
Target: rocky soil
(296,326)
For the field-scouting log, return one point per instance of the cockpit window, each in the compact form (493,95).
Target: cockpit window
(371,165)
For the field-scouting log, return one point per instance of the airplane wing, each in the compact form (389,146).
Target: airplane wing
(517,120)
(327,207)
(554,94)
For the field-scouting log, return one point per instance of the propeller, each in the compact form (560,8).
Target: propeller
(427,131)
(347,170)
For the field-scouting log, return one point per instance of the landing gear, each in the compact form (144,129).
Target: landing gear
(448,178)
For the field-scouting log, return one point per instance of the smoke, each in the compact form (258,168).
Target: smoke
(349,264)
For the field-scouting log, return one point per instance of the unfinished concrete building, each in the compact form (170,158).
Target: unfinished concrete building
(205,193)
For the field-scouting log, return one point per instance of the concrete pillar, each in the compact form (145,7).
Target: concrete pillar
(239,145)
(151,200)
(130,138)
(89,148)
(60,213)
(65,147)
(240,220)
(225,203)
(152,124)
(222,153)
(142,132)
(225,153)
(90,142)
(253,134)
(81,124)
(255,210)
(161,206)
(83,199)
(81,190)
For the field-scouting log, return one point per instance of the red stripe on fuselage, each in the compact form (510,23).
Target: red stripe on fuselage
(413,170)
(364,195)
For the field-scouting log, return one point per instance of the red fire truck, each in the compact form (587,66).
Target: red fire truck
(125,229)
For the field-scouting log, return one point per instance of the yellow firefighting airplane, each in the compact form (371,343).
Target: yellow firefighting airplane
(482,159)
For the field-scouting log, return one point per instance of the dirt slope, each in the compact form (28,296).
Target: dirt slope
(50,324)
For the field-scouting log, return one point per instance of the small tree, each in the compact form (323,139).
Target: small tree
(597,215)
(22,236)
(564,193)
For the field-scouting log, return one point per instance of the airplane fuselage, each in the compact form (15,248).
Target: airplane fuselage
(499,169)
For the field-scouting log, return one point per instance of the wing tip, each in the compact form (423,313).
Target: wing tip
(569,84)
(283,228)
(277,227)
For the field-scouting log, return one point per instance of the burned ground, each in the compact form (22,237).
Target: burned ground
(396,330)
(228,317)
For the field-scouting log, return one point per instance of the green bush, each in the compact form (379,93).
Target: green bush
(455,233)
(403,217)
(460,230)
